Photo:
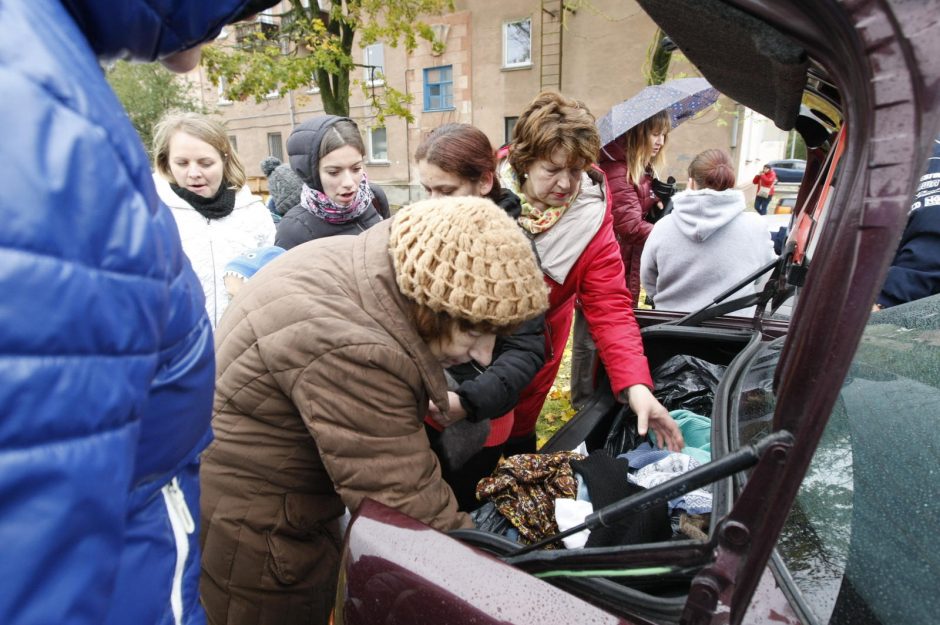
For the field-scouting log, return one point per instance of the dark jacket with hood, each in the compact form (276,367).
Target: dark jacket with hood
(300,225)
(915,270)
(106,403)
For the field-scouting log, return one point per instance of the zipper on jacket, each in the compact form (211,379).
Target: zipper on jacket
(182,523)
(215,296)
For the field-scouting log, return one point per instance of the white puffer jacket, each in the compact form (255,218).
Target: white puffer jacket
(211,244)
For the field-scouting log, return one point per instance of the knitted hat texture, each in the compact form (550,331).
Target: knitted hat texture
(465,257)
(283,184)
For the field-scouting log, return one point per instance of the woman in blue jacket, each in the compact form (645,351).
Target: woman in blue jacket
(106,360)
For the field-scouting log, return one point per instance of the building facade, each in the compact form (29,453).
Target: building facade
(497,56)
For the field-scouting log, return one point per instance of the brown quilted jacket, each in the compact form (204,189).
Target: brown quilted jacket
(321,391)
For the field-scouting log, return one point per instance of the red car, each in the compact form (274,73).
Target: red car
(824,473)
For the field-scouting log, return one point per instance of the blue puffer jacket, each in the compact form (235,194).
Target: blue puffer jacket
(106,361)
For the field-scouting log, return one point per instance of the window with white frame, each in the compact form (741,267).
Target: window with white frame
(378,145)
(373,57)
(275,145)
(509,124)
(517,43)
(439,88)
(314,86)
(223,85)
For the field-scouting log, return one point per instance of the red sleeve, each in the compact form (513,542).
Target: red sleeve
(607,305)
(626,208)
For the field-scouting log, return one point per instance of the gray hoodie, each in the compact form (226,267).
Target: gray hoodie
(706,245)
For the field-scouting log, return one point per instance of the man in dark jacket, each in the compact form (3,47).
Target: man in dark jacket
(915,271)
(106,360)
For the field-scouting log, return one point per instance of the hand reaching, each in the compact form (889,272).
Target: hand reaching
(652,414)
(455,411)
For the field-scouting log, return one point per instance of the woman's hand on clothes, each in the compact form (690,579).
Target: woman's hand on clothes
(652,414)
(455,411)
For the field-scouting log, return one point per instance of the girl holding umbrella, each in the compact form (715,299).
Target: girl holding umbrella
(631,163)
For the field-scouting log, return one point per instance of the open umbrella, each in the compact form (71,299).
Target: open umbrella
(683,98)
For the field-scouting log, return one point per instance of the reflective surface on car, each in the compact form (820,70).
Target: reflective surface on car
(859,541)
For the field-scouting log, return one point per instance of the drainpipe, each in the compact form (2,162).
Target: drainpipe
(290,108)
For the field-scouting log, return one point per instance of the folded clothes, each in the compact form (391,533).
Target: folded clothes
(698,501)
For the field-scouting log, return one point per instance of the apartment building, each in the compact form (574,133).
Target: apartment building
(498,54)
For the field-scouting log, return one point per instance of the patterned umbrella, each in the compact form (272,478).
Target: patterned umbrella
(683,98)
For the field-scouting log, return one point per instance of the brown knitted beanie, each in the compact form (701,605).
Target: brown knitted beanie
(466,257)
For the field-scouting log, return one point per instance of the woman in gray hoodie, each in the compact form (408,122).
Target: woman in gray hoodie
(707,244)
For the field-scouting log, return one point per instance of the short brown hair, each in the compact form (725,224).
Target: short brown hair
(636,146)
(712,169)
(551,122)
(433,325)
(204,129)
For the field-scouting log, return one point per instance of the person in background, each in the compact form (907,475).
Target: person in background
(328,155)
(631,163)
(201,179)
(106,359)
(283,187)
(247,264)
(327,360)
(915,271)
(458,159)
(565,210)
(708,243)
(765,182)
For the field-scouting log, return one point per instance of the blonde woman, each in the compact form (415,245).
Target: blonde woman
(201,179)
(631,163)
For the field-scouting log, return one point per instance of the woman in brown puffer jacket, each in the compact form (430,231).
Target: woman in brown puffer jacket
(327,360)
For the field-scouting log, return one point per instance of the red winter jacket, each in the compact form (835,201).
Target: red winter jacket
(766,180)
(630,203)
(596,280)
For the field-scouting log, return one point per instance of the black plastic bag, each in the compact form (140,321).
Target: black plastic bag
(687,382)
(623,435)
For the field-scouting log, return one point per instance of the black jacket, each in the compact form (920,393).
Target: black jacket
(300,225)
(492,392)
(915,270)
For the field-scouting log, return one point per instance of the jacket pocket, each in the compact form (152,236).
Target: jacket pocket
(304,545)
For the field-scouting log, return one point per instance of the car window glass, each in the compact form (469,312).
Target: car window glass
(859,541)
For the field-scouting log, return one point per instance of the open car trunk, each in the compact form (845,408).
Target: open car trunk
(858,80)
(653,579)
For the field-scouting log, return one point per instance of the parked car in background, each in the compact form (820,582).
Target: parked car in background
(788,170)
(784,206)
(823,434)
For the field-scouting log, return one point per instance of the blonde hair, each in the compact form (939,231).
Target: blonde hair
(551,122)
(204,129)
(636,146)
